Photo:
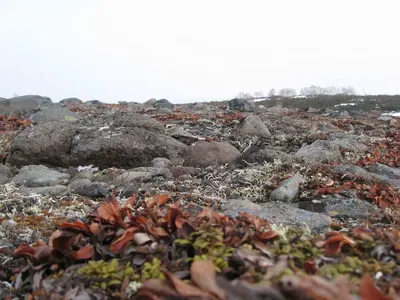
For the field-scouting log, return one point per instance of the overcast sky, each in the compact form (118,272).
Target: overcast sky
(188,51)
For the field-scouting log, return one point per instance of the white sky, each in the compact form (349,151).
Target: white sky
(186,51)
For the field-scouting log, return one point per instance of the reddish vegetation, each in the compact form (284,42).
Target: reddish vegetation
(178,117)
(153,224)
(13,123)
(228,118)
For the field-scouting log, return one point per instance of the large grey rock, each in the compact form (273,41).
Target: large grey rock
(38,176)
(182,135)
(125,148)
(279,214)
(119,144)
(71,101)
(142,174)
(239,105)
(25,105)
(342,207)
(161,162)
(150,102)
(4,110)
(54,190)
(384,170)
(53,113)
(287,190)
(252,125)
(260,155)
(5,174)
(368,176)
(350,144)
(320,151)
(48,143)
(93,102)
(133,120)
(163,103)
(85,187)
(205,154)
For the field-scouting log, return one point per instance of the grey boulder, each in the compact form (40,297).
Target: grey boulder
(252,125)
(53,113)
(279,214)
(205,154)
(287,190)
(39,176)
(71,101)
(24,105)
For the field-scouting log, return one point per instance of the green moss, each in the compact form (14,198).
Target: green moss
(355,267)
(106,275)
(208,244)
(152,270)
(296,244)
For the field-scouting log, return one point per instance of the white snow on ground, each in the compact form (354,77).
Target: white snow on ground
(393,114)
(345,104)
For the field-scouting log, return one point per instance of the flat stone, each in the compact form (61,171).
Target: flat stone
(280,214)
(5,174)
(54,190)
(384,170)
(287,190)
(252,125)
(206,154)
(338,206)
(38,176)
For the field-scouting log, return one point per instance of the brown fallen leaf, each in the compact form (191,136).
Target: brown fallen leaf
(363,233)
(119,244)
(334,243)
(317,288)
(24,250)
(54,235)
(94,228)
(267,235)
(141,238)
(368,290)
(130,202)
(185,289)
(108,212)
(159,287)
(77,226)
(84,253)
(204,276)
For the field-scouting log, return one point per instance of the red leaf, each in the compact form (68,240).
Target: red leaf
(362,233)
(160,232)
(130,202)
(54,235)
(84,253)
(368,290)
(203,275)
(171,216)
(310,266)
(24,250)
(42,253)
(157,200)
(268,235)
(334,243)
(94,228)
(119,244)
(62,243)
(77,227)
(110,212)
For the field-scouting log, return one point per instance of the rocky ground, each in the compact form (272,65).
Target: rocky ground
(163,201)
